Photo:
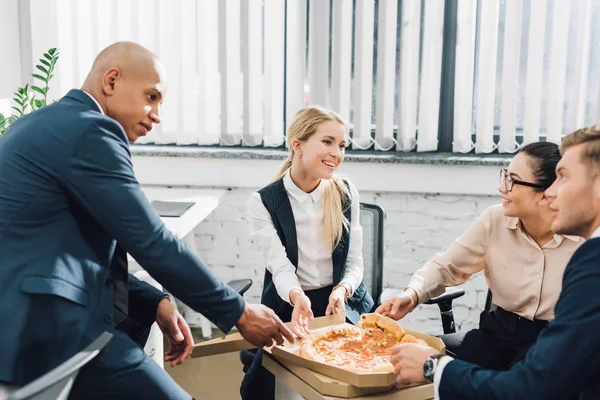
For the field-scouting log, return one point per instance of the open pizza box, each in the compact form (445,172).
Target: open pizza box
(288,353)
(314,386)
(326,379)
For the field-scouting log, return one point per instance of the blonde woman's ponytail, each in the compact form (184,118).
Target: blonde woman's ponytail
(334,220)
(284,168)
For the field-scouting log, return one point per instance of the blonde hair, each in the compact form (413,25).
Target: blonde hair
(589,135)
(303,126)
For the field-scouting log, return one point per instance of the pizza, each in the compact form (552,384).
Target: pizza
(367,348)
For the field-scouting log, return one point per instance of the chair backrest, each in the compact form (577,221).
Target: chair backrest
(371,220)
(56,384)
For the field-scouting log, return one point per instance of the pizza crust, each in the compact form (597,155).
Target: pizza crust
(378,321)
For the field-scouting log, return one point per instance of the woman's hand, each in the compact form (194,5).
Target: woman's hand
(398,306)
(336,300)
(302,313)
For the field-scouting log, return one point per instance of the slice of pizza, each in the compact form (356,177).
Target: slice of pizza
(379,331)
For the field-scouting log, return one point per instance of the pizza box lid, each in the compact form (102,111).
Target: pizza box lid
(308,390)
(289,352)
(235,342)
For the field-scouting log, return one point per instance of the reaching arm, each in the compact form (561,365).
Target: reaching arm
(463,258)
(265,239)
(100,178)
(353,274)
(562,361)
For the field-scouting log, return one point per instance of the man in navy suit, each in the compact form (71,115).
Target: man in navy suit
(70,210)
(564,363)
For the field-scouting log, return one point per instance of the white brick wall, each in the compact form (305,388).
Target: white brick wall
(417,226)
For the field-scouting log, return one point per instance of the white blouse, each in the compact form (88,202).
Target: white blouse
(315,265)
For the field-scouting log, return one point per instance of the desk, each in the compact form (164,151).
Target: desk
(206,201)
(289,386)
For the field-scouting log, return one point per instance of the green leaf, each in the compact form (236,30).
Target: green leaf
(41,78)
(50,77)
(39,90)
(19,102)
(39,103)
(17,110)
(2,119)
(52,50)
(46,63)
(48,56)
(20,90)
(44,70)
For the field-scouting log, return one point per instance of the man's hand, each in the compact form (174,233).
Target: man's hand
(259,325)
(176,330)
(398,306)
(336,300)
(408,360)
(302,313)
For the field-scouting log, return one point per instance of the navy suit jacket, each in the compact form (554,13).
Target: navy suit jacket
(564,363)
(67,195)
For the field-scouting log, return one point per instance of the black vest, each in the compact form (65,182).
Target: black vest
(277,203)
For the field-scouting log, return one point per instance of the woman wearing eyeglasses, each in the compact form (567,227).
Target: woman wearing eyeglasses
(522,259)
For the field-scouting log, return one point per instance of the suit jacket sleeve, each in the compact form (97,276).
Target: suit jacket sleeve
(100,177)
(562,361)
(143,301)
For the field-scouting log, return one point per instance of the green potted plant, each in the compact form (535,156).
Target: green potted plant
(25,97)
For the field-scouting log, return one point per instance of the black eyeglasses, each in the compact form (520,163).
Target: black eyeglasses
(509,182)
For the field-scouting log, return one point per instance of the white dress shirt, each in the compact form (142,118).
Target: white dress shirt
(95,101)
(315,265)
(596,233)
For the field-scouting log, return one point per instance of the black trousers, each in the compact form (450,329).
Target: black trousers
(502,340)
(259,383)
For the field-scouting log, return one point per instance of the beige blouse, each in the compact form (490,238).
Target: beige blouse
(524,278)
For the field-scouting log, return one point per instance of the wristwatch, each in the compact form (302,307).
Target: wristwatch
(431,365)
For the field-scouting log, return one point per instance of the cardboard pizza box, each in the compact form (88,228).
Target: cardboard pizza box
(235,341)
(289,352)
(305,388)
(331,386)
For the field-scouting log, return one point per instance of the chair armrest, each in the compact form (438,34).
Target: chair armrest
(450,294)
(240,285)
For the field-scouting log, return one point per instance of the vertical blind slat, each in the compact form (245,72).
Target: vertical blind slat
(463,78)
(558,70)
(486,77)
(106,31)
(229,49)
(251,64)
(295,49)
(582,58)
(318,52)
(274,130)
(169,53)
(66,71)
(408,83)
(535,71)
(341,55)
(363,74)
(429,105)
(85,39)
(510,76)
(208,104)
(188,72)
(386,74)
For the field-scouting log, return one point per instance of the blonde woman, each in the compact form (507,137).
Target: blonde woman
(306,224)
